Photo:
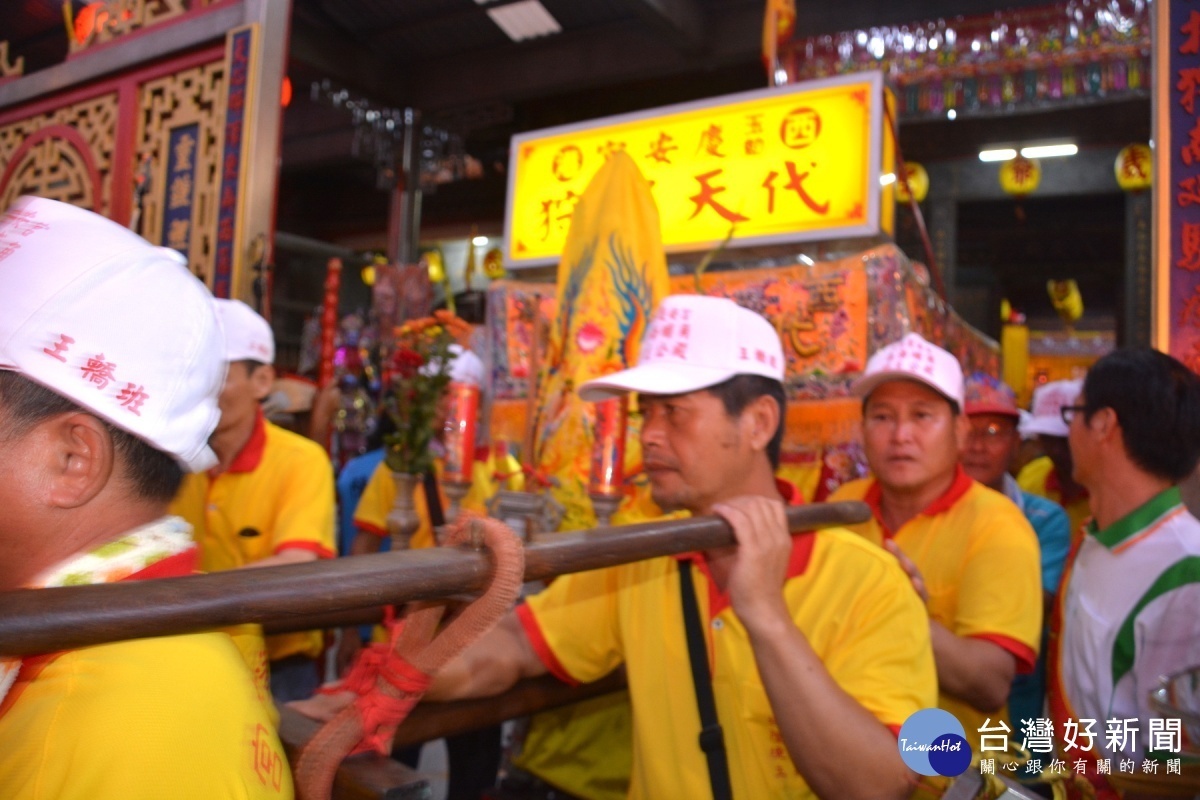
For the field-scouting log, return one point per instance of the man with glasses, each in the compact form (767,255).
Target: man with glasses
(992,443)
(1127,610)
(970,553)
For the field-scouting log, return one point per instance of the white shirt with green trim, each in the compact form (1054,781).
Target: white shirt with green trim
(1131,613)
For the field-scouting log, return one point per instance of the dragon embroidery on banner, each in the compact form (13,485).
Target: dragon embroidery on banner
(633,294)
(566,304)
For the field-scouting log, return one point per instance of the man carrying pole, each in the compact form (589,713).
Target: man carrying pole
(110,365)
(818,647)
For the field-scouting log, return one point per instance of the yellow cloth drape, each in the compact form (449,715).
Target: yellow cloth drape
(611,277)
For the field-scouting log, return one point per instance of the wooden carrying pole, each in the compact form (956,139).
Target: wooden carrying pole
(48,620)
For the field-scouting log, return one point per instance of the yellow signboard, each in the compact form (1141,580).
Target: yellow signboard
(788,164)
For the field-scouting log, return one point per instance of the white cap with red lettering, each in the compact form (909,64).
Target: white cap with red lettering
(694,342)
(914,359)
(248,336)
(1048,401)
(100,316)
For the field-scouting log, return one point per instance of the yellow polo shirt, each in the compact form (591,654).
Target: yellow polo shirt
(186,717)
(851,600)
(981,565)
(276,495)
(170,717)
(1039,477)
(585,748)
(370,516)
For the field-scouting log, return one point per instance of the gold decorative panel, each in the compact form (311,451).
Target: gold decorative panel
(64,154)
(10,69)
(178,151)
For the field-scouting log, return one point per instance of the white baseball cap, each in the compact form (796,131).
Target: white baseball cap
(694,342)
(103,318)
(1023,424)
(465,366)
(248,336)
(1048,400)
(913,359)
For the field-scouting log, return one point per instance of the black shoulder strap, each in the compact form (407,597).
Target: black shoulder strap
(433,501)
(712,738)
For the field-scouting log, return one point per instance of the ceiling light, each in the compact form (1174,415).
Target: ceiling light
(1049,150)
(1002,154)
(887,179)
(952,114)
(479,241)
(527,19)
(806,260)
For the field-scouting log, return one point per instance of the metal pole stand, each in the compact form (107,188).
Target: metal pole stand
(456,491)
(605,505)
(527,513)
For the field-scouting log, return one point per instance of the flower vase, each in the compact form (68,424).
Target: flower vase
(402,520)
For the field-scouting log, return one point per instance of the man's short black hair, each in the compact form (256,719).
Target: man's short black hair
(156,476)
(737,393)
(1157,401)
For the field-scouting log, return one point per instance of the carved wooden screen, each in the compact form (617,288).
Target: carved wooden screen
(176,146)
(65,154)
(180,121)
(99,153)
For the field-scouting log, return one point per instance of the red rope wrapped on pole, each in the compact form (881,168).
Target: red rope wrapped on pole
(390,679)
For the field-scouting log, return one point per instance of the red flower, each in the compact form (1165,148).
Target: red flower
(406,362)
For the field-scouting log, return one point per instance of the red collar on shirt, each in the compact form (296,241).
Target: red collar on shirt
(180,564)
(184,563)
(802,547)
(958,487)
(250,456)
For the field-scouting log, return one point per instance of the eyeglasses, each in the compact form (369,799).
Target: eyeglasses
(1068,413)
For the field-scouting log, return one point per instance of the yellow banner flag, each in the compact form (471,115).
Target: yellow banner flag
(612,274)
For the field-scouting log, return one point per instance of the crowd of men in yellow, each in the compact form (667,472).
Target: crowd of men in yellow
(816,648)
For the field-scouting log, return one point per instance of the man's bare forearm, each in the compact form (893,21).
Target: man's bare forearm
(490,666)
(975,671)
